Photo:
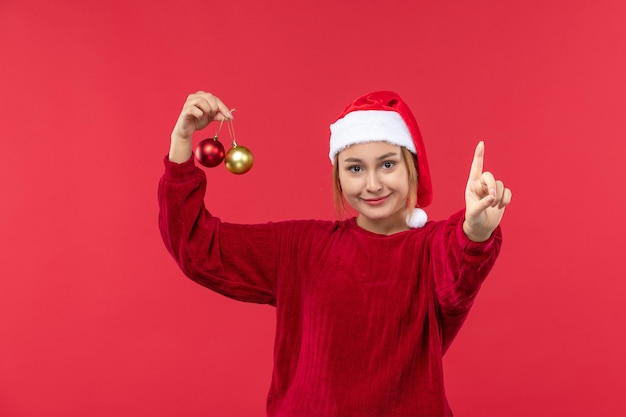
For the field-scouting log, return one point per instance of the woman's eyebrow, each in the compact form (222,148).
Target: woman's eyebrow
(385,156)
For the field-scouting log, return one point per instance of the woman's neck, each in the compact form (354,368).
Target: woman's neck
(387,226)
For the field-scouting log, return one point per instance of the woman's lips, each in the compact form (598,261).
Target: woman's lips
(375,201)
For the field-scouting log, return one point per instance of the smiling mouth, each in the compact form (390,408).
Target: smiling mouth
(375,201)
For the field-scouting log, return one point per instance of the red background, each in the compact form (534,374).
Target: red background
(95,317)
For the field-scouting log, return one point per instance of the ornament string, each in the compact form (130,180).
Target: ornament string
(231,130)
(219,129)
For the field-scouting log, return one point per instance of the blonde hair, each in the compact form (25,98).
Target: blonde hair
(410,161)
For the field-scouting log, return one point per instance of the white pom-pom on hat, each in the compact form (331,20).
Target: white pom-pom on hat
(416,218)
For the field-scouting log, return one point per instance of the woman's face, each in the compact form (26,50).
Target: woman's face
(374,181)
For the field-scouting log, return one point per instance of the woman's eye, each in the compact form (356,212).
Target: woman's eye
(388,164)
(355,168)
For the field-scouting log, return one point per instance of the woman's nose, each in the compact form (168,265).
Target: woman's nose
(373,183)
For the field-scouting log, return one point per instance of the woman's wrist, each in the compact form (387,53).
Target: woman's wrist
(180,149)
(475,236)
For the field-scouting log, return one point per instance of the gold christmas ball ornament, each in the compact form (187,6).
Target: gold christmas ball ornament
(239,159)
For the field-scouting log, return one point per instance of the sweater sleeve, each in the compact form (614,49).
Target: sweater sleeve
(238,261)
(459,268)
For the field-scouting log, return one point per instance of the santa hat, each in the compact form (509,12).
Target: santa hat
(382,116)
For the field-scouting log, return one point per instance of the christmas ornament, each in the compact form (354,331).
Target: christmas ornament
(210,152)
(238,159)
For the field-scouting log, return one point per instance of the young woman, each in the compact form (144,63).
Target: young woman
(366,307)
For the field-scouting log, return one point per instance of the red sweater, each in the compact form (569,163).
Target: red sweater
(363,320)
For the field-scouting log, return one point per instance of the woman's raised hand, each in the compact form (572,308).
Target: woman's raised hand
(485,200)
(199,110)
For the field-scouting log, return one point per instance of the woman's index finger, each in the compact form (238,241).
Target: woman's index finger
(477,163)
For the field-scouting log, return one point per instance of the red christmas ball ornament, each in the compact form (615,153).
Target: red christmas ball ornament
(210,152)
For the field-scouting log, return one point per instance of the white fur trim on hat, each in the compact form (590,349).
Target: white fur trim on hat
(362,126)
(416,218)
